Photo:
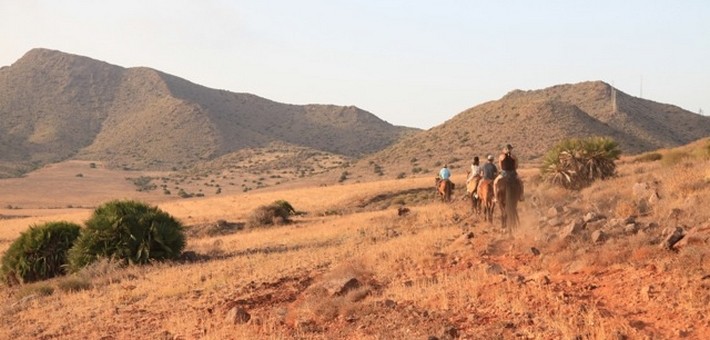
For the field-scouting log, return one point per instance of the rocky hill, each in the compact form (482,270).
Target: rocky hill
(56,106)
(534,121)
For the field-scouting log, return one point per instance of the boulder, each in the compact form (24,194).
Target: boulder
(598,236)
(341,286)
(554,211)
(592,216)
(631,228)
(673,238)
(573,229)
(555,221)
(237,315)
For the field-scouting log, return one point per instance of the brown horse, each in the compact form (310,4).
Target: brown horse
(472,194)
(444,188)
(485,195)
(508,194)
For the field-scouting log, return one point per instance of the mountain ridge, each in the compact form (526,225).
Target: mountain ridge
(534,121)
(57,106)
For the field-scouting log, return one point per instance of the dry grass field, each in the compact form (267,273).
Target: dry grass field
(583,265)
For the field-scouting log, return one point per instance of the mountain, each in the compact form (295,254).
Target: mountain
(56,106)
(534,121)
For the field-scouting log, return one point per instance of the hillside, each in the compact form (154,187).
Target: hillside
(589,264)
(534,121)
(56,106)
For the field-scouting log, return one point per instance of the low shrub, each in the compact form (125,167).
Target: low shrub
(673,158)
(129,231)
(39,253)
(648,157)
(278,212)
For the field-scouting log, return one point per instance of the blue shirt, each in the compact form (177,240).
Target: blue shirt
(444,173)
(489,171)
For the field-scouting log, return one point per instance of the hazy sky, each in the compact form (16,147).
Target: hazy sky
(413,63)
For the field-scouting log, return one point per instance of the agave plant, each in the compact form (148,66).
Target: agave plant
(130,231)
(576,163)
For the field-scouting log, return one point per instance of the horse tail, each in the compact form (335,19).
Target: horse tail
(512,195)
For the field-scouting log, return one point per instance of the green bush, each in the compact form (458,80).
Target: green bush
(129,231)
(576,163)
(39,253)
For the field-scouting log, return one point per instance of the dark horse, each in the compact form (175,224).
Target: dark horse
(508,195)
(444,188)
(485,198)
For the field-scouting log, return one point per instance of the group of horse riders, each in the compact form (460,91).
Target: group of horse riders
(478,174)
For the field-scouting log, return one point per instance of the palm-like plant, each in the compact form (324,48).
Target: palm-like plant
(576,163)
(39,253)
(130,231)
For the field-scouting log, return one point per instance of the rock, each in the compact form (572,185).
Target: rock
(598,224)
(541,278)
(535,251)
(631,228)
(673,238)
(647,292)
(390,303)
(401,211)
(654,198)
(555,221)
(450,332)
(641,190)
(237,315)
(341,286)
(598,236)
(433,337)
(573,229)
(494,269)
(591,217)
(554,211)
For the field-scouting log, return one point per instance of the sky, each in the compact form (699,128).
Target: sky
(412,63)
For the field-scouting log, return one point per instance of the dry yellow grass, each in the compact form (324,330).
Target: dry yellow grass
(417,275)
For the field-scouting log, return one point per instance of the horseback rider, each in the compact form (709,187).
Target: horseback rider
(474,175)
(489,170)
(508,166)
(444,173)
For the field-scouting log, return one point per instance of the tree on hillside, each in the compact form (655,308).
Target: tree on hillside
(576,163)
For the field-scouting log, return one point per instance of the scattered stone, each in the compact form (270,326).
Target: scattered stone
(555,221)
(541,278)
(554,211)
(706,277)
(631,228)
(450,332)
(647,292)
(598,224)
(655,197)
(591,217)
(390,303)
(641,190)
(673,238)
(573,229)
(494,269)
(638,324)
(402,211)
(535,251)
(341,286)
(598,236)
(433,337)
(237,315)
